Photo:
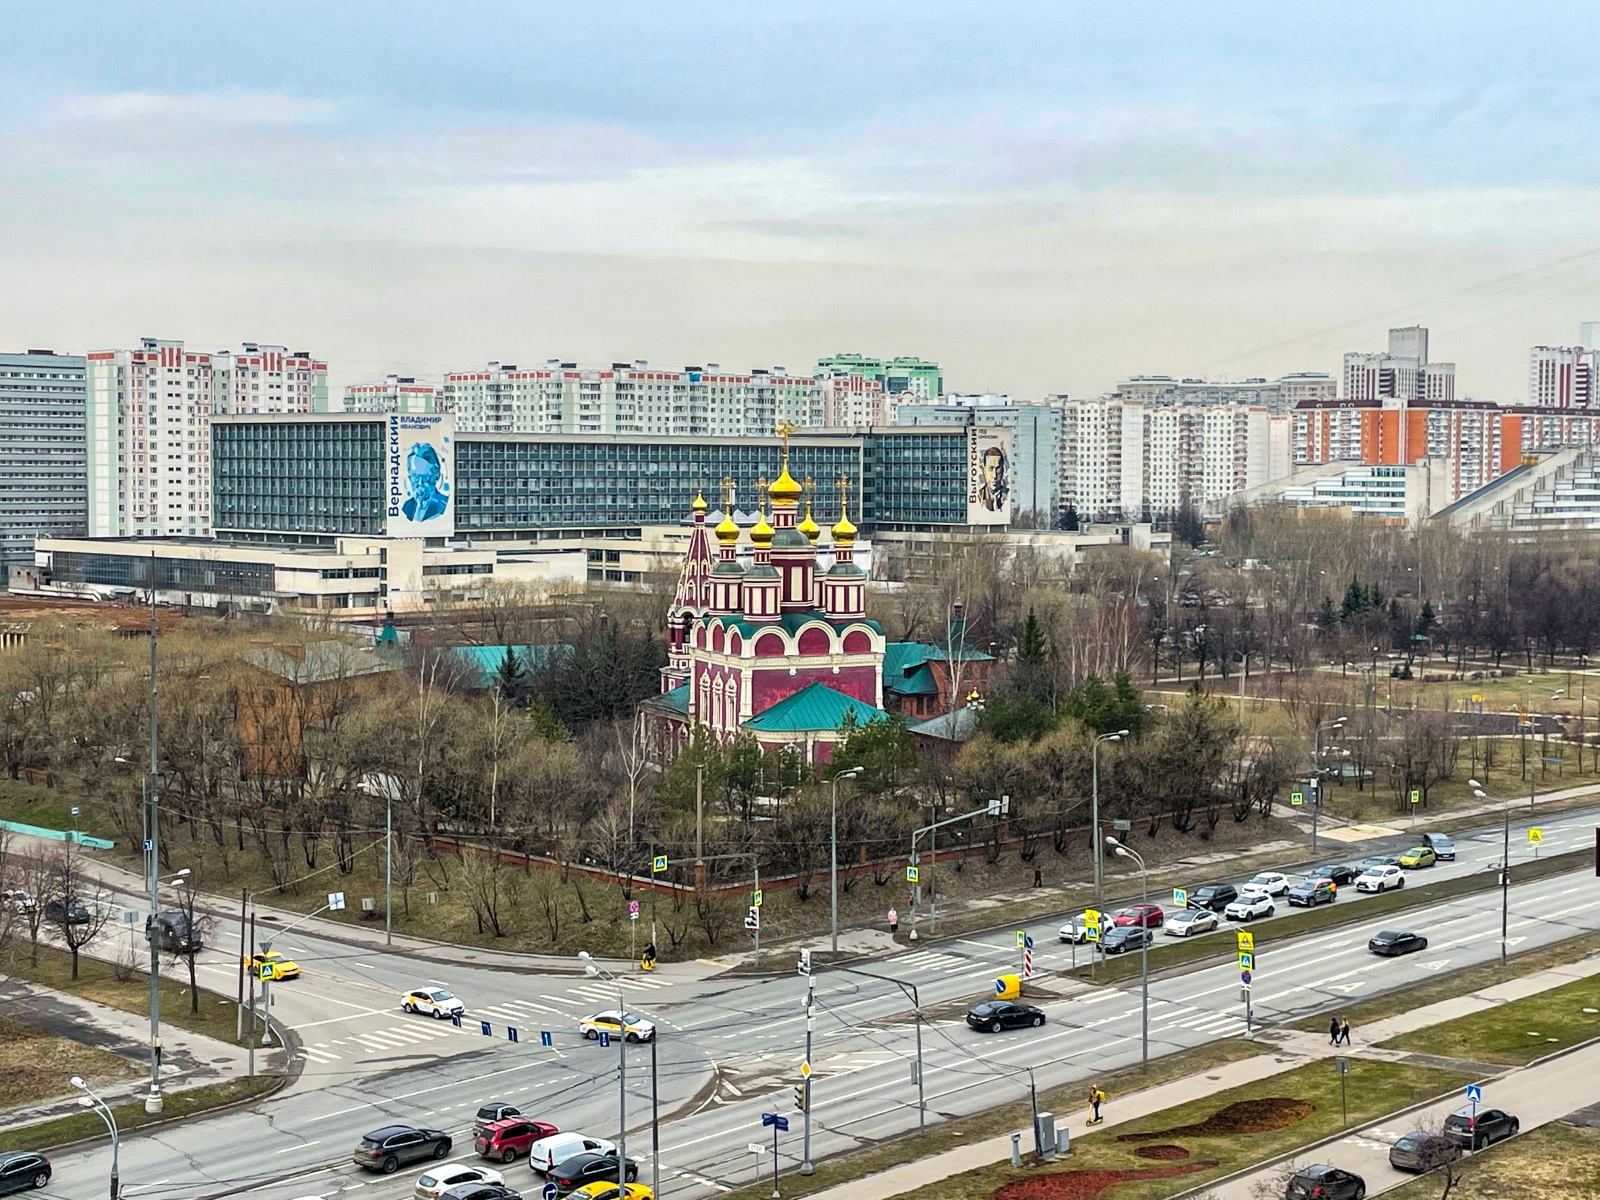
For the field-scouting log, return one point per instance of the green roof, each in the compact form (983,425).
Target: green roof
(906,669)
(677,700)
(479,666)
(790,623)
(814,708)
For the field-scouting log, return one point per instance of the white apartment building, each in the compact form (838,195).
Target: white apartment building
(1276,395)
(1562,377)
(851,401)
(1402,373)
(259,378)
(397,393)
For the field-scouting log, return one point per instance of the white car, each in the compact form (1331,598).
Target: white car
(1248,908)
(1253,889)
(447,1175)
(1274,882)
(1380,879)
(1190,920)
(432,1002)
(547,1153)
(1075,930)
(614,1023)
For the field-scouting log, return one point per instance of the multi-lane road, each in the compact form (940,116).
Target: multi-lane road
(730,1048)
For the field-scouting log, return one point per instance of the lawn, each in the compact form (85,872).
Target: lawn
(1516,1032)
(36,1064)
(1184,1147)
(130,1116)
(1556,1160)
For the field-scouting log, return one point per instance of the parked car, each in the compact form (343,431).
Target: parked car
(545,1153)
(480,1191)
(1148,915)
(1125,937)
(1475,1131)
(1215,896)
(23,1169)
(436,1180)
(1190,920)
(1392,942)
(589,1167)
(1309,893)
(1340,873)
(432,1002)
(1418,856)
(995,1015)
(1441,845)
(505,1139)
(1275,883)
(1378,860)
(391,1147)
(1323,1182)
(70,912)
(1380,879)
(608,1191)
(1075,930)
(18,900)
(1249,907)
(488,1114)
(1422,1151)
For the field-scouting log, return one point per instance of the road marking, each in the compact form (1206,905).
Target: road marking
(296,1146)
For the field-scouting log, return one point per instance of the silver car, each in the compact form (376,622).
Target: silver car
(1190,920)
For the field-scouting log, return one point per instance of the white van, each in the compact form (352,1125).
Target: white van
(548,1153)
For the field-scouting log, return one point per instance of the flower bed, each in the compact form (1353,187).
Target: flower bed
(1086,1185)
(1247,1116)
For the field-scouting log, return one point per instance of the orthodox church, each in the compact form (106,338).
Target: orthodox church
(781,649)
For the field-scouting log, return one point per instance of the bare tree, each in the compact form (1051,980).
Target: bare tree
(190,931)
(77,907)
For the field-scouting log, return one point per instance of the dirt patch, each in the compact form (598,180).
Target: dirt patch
(1086,1185)
(1164,1153)
(1248,1116)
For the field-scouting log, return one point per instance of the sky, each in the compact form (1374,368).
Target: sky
(1042,197)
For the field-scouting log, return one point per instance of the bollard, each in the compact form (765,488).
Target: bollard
(1016,1149)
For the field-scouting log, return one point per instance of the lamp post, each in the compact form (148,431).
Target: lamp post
(150,807)
(1144,944)
(1316,781)
(1094,813)
(833,854)
(595,971)
(90,1100)
(1505,868)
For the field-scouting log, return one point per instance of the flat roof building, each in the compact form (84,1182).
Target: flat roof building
(43,450)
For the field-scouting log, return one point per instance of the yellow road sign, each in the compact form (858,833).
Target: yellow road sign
(1247,941)
(1416,795)
(1297,798)
(805,1070)
(911,874)
(1535,836)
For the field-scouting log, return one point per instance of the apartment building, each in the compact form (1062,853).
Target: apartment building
(1404,372)
(397,393)
(1037,429)
(1275,395)
(900,378)
(852,401)
(43,451)
(1563,377)
(262,379)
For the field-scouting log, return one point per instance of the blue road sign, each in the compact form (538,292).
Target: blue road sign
(1474,1094)
(1244,976)
(770,1119)
(605,1038)
(511,1033)
(1027,941)
(483,1028)
(548,1191)
(545,1039)
(147,845)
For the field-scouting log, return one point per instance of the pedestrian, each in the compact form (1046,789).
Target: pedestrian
(1038,877)
(1344,1032)
(1096,1099)
(1333,1031)
(894,922)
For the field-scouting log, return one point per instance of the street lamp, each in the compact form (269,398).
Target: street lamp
(148,803)
(1505,868)
(1144,943)
(594,970)
(90,1100)
(1094,814)
(1316,782)
(833,853)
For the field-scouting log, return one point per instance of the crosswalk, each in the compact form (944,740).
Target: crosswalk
(934,961)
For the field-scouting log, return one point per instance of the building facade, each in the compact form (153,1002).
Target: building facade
(1275,395)
(43,450)
(268,379)
(1404,372)
(905,377)
(1562,377)
(397,393)
(1036,447)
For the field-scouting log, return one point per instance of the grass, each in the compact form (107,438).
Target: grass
(1517,1032)
(97,980)
(179,1105)
(1374,1089)
(36,1063)
(1167,953)
(1555,1160)
(945,1135)
(1457,983)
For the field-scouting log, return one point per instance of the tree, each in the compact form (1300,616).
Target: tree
(885,750)
(510,677)
(1187,526)
(198,926)
(1103,709)
(76,906)
(1016,719)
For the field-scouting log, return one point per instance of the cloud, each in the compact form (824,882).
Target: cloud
(200,111)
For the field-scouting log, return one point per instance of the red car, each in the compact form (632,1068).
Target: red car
(1147,915)
(505,1140)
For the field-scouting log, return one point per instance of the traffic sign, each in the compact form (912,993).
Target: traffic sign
(1474,1094)
(511,1034)
(752,918)
(1180,897)
(549,1192)
(74,810)
(755,898)
(659,864)
(1244,978)
(545,1039)
(1247,941)
(1342,1065)
(605,1038)
(633,910)
(1416,795)
(1297,798)
(1535,836)
(805,1070)
(1247,962)
(1091,925)
(1022,938)
(911,875)
(336,901)
(770,1119)
(147,844)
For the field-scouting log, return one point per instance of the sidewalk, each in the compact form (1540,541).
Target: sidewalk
(1283,1050)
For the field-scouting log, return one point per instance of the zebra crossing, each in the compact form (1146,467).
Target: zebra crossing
(934,961)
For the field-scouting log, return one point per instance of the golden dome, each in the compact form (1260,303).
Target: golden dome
(761,534)
(700,504)
(785,488)
(844,531)
(809,527)
(727,532)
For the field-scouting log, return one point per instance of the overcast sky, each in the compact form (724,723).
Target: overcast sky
(1043,197)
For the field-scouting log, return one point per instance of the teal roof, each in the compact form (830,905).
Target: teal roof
(906,669)
(814,708)
(677,700)
(790,623)
(479,665)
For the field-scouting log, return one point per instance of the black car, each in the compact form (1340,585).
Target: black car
(1215,896)
(1422,1151)
(71,912)
(495,1110)
(1125,937)
(1340,873)
(174,933)
(390,1148)
(1475,1131)
(480,1191)
(995,1015)
(1325,1183)
(1390,942)
(1311,892)
(1443,848)
(588,1167)
(21,1170)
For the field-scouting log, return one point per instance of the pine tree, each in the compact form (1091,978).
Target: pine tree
(1031,649)
(510,676)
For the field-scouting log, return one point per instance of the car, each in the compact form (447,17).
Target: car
(436,1180)
(1215,896)
(391,1147)
(1248,908)
(70,912)
(1422,1151)
(1147,915)
(23,1169)
(480,1191)
(1076,930)
(1250,890)
(1376,861)
(508,1137)
(1380,879)
(545,1153)
(272,966)
(995,1015)
(586,1168)
(174,932)
(614,1022)
(608,1191)
(1418,856)
(1125,937)
(1309,893)
(1323,1182)
(1190,920)
(1475,1130)
(1392,942)
(1340,873)
(488,1114)
(19,900)
(1275,883)
(433,1002)
(1441,845)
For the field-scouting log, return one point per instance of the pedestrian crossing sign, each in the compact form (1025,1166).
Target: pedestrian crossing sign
(1091,925)
(1297,798)
(659,864)
(911,875)
(1247,962)
(1416,795)
(1535,836)
(1247,941)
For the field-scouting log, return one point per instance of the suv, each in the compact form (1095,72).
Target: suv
(1215,896)
(174,933)
(1322,1182)
(509,1137)
(1311,892)
(1476,1130)
(388,1148)
(1443,848)
(488,1114)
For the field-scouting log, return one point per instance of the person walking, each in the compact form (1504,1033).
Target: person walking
(1333,1031)
(1096,1099)
(1038,877)
(894,922)
(1344,1033)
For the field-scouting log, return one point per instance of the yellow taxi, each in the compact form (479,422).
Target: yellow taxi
(602,1189)
(617,1023)
(1418,856)
(272,966)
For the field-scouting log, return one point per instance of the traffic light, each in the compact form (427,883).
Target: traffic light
(805,960)
(800,1097)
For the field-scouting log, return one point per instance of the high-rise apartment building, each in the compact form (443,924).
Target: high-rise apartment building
(268,379)
(43,451)
(852,401)
(397,394)
(906,377)
(1563,377)
(1404,372)
(1275,395)
(1034,472)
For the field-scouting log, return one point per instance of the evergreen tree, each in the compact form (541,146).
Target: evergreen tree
(545,723)
(510,677)
(1031,649)
(1327,615)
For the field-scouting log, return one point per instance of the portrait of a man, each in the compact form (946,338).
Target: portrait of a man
(995,492)
(423,472)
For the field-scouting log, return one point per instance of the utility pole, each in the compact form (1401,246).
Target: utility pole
(655,1125)
(699,827)
(388,866)
(1094,815)
(252,1000)
(805,1083)
(153,1102)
